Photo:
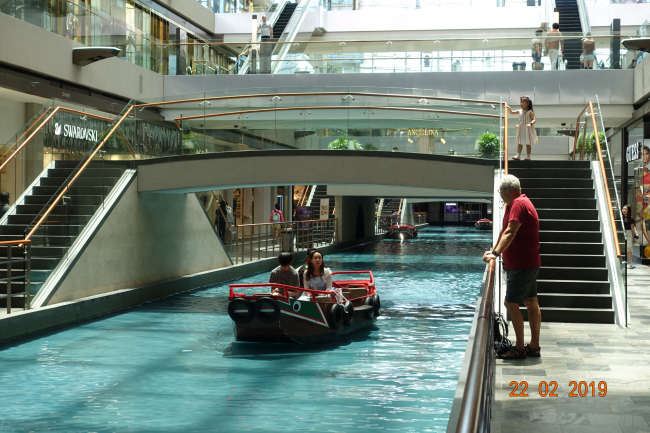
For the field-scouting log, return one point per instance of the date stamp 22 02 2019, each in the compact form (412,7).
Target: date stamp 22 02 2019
(550,389)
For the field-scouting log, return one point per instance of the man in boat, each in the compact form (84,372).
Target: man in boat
(286,275)
(301,269)
(519,244)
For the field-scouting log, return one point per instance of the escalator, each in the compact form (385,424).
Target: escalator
(283,20)
(569,26)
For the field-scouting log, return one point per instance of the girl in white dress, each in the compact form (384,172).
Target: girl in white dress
(525,130)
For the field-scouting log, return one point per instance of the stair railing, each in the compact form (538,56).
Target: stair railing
(27,247)
(49,207)
(584,16)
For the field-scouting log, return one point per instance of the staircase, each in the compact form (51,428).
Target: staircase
(570,26)
(321,192)
(54,237)
(283,20)
(392,206)
(573,283)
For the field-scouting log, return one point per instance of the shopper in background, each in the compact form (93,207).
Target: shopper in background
(220,220)
(632,65)
(276,218)
(588,49)
(552,42)
(230,230)
(4,203)
(526,134)
(536,50)
(630,229)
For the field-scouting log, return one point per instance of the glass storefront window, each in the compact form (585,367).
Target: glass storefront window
(639,191)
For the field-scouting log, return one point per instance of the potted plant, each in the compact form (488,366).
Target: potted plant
(590,145)
(488,144)
(345,142)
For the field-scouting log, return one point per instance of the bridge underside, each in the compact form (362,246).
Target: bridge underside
(441,176)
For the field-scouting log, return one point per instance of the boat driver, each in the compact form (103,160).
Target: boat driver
(285,275)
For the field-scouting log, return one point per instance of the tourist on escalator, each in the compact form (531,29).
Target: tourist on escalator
(588,51)
(519,244)
(526,134)
(630,228)
(4,203)
(301,270)
(285,275)
(276,218)
(552,42)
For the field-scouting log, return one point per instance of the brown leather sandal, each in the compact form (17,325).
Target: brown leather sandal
(513,353)
(533,352)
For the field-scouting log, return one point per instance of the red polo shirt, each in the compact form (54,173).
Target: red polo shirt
(523,252)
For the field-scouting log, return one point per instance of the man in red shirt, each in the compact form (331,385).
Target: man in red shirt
(519,244)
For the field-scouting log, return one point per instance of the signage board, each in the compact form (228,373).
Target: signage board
(633,152)
(324,208)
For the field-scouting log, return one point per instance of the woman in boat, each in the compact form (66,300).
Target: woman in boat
(319,277)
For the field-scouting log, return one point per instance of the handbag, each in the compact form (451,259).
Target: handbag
(538,66)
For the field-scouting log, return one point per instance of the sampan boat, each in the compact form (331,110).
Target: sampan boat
(483,224)
(402,231)
(263,317)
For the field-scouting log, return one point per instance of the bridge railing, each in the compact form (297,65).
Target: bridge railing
(251,242)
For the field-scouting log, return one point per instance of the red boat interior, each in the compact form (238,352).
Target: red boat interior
(352,289)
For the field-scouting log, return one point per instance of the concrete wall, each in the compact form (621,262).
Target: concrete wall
(49,54)
(147,238)
(642,82)
(195,12)
(347,209)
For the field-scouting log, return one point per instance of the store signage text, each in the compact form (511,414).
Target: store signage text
(424,131)
(633,152)
(76,132)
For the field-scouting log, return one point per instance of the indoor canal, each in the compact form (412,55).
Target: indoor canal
(172,365)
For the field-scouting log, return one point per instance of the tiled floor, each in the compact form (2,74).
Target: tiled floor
(583,352)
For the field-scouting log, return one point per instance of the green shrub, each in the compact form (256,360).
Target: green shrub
(370,146)
(489,144)
(590,145)
(341,143)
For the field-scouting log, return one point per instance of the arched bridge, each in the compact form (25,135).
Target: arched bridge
(213,171)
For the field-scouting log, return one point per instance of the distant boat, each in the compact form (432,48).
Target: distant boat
(483,224)
(402,231)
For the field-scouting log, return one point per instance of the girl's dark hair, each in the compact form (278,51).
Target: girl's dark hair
(310,267)
(222,205)
(277,206)
(530,103)
(629,211)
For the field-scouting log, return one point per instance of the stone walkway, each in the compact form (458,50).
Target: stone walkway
(583,352)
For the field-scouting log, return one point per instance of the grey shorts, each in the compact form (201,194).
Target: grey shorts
(521,285)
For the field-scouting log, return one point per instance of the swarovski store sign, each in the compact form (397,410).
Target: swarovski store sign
(76,132)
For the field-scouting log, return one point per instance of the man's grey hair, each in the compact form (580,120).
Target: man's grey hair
(510,184)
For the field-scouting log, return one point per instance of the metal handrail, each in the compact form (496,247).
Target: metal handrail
(365,107)
(81,169)
(27,277)
(44,122)
(602,169)
(505,137)
(285,222)
(271,95)
(479,377)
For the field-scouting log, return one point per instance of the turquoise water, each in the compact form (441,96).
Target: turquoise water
(172,365)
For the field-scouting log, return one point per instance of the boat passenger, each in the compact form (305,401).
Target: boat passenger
(319,277)
(286,275)
(301,270)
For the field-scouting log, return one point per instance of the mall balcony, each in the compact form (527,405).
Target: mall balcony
(142,186)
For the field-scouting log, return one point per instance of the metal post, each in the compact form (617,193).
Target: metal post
(9,279)
(236,244)
(259,243)
(267,242)
(251,240)
(28,276)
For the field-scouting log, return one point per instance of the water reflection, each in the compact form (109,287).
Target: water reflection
(172,365)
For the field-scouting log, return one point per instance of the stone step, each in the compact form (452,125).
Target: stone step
(581,248)
(573,286)
(559,225)
(571,261)
(573,273)
(573,300)
(534,193)
(574,315)
(567,214)
(564,203)
(553,173)
(570,236)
